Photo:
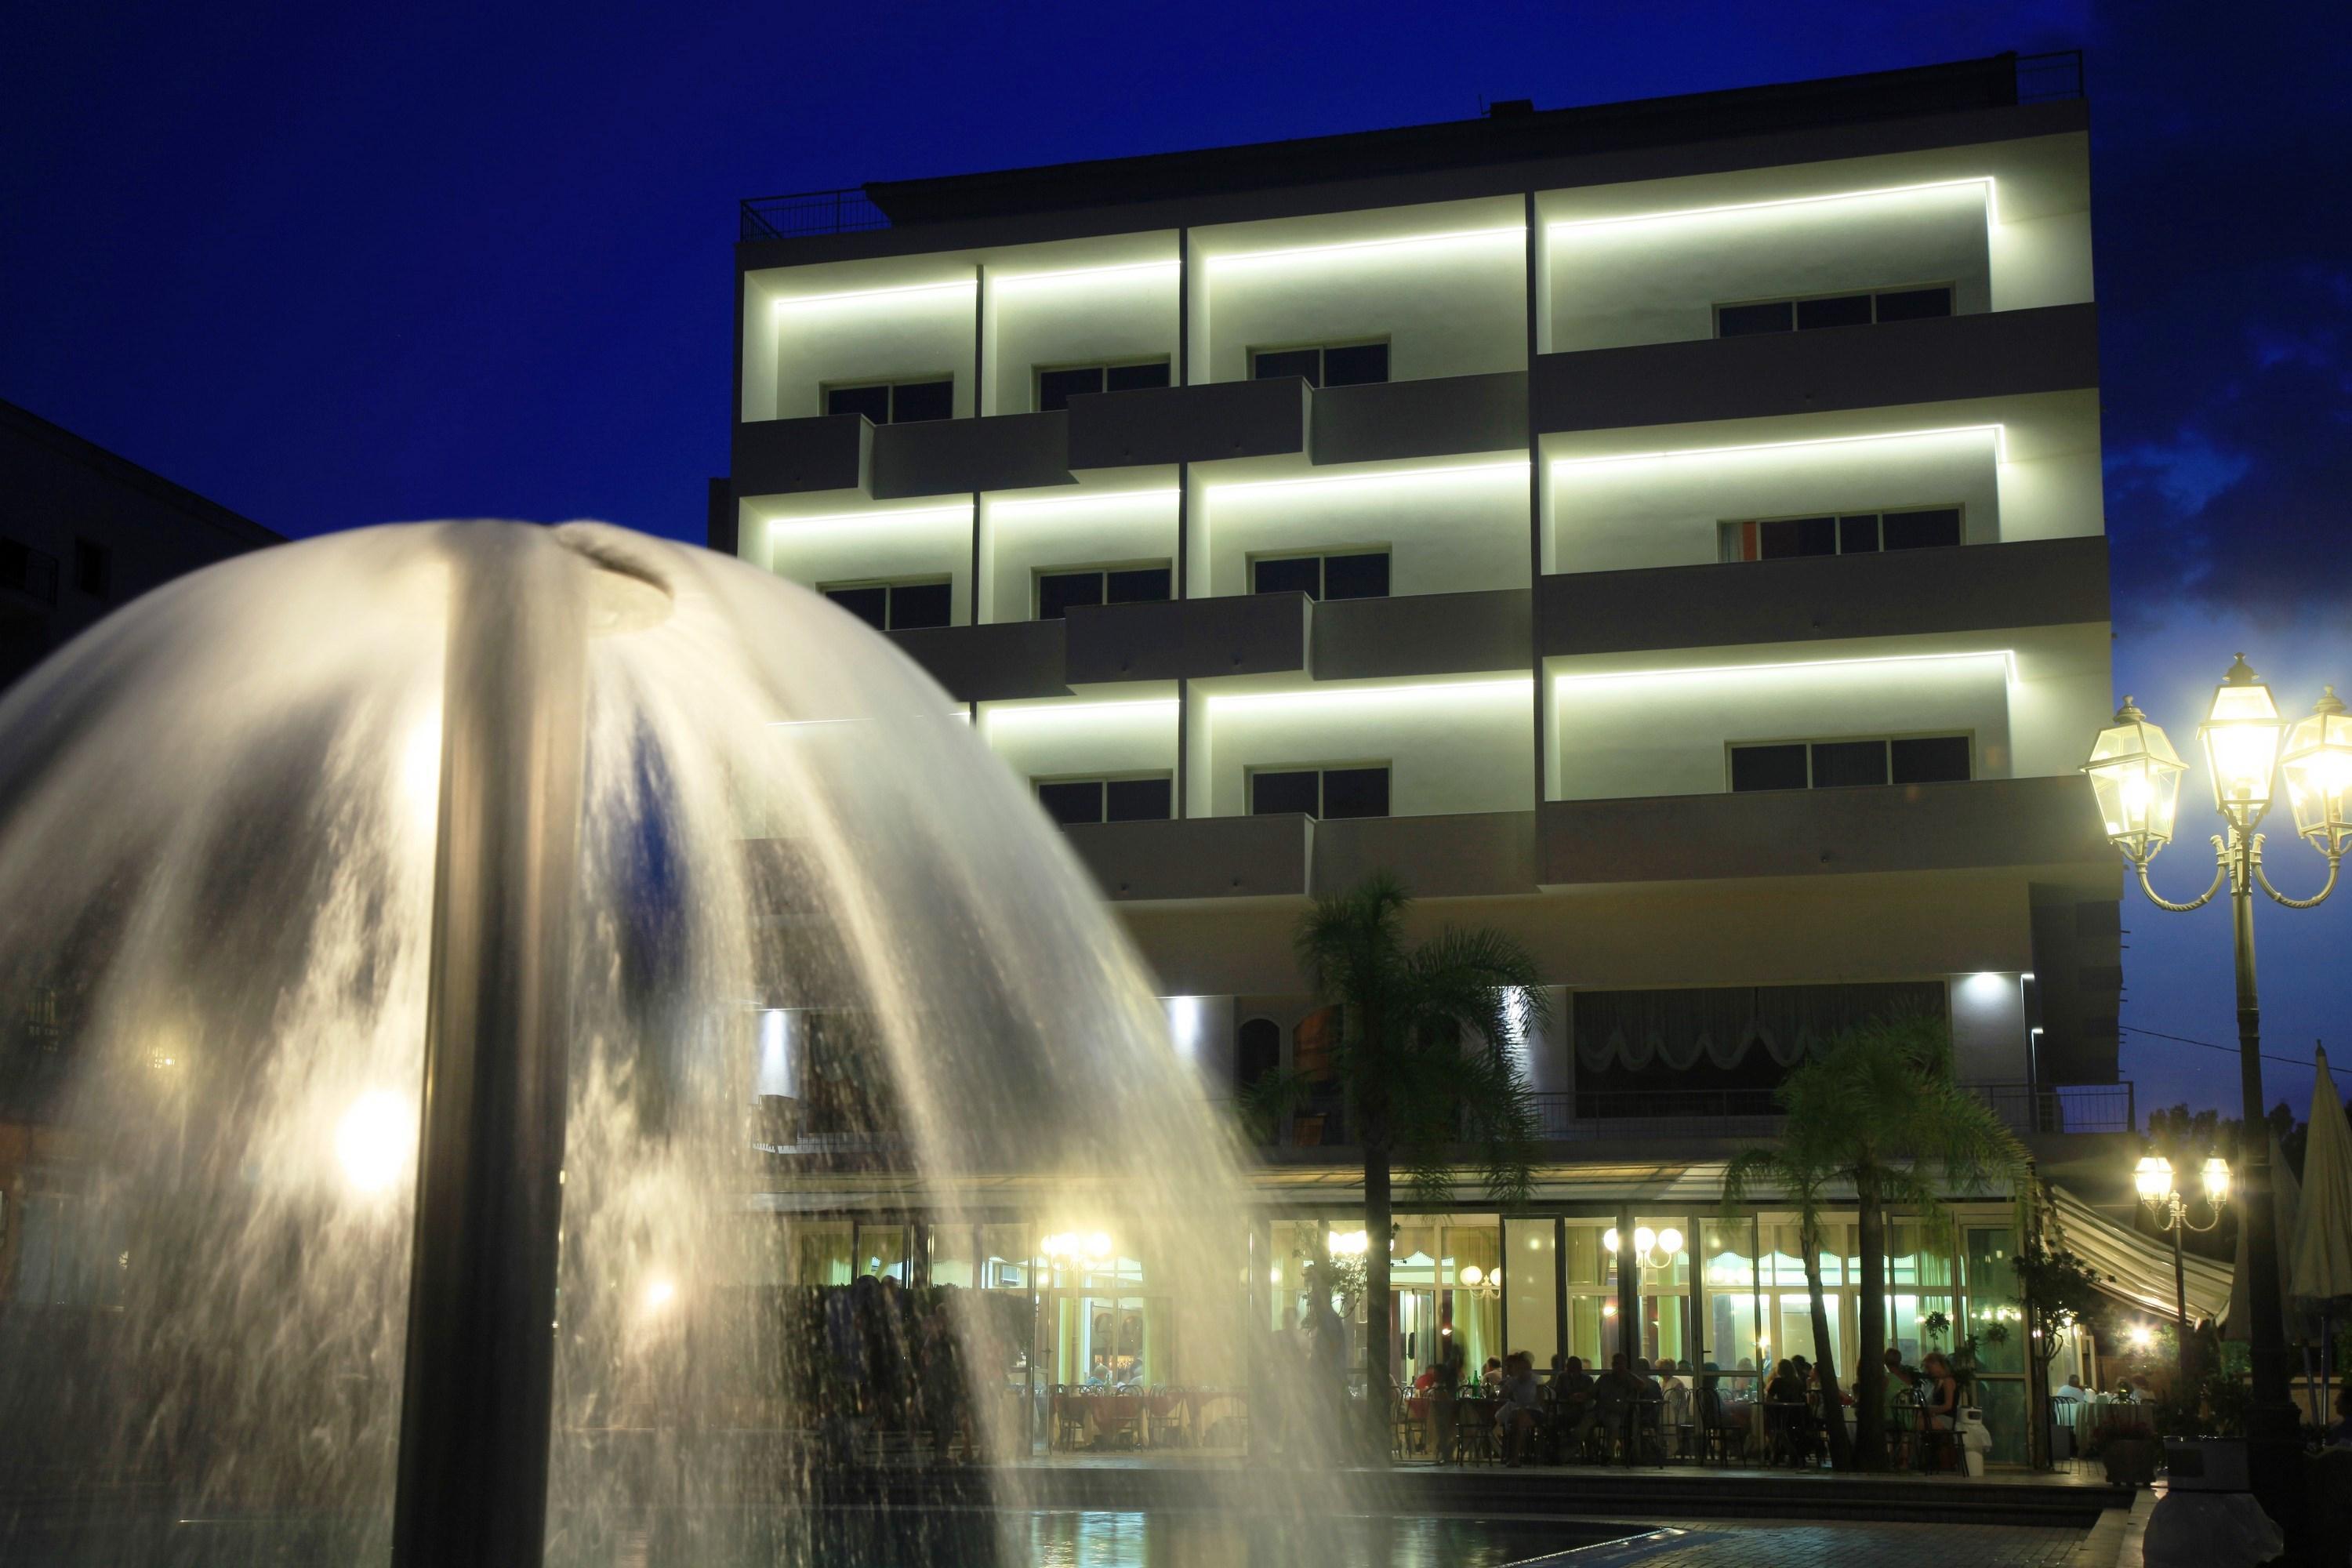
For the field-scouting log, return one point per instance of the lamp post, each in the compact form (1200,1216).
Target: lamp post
(2135,777)
(2153,1178)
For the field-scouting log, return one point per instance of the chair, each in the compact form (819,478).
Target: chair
(1164,1415)
(1474,1431)
(1069,1418)
(1408,1439)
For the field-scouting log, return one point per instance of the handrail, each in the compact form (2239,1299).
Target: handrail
(844,211)
(2046,77)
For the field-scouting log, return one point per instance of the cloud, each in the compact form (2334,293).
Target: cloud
(2188,473)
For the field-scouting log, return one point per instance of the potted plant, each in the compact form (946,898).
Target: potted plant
(2126,1441)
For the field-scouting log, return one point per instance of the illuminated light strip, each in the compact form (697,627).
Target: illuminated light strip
(1519,229)
(795,299)
(1518,686)
(1097,497)
(1146,708)
(872,517)
(1985,181)
(1168,266)
(1519,465)
(2006,655)
(2000,433)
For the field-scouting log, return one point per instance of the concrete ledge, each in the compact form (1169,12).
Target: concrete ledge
(956,457)
(1197,858)
(2053,348)
(1463,856)
(1189,423)
(1439,417)
(1810,833)
(1243,633)
(991,663)
(1423,634)
(788,456)
(1969,587)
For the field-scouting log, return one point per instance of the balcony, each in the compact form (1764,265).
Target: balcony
(1978,587)
(1825,832)
(1423,633)
(957,456)
(995,663)
(791,457)
(2051,348)
(1439,416)
(1249,633)
(1189,423)
(1469,855)
(1197,858)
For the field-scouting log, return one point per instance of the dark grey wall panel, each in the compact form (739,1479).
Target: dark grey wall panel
(991,663)
(1423,634)
(1471,854)
(1440,416)
(1248,633)
(1189,423)
(952,457)
(786,457)
(1197,858)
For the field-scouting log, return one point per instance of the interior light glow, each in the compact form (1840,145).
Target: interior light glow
(796,301)
(1998,432)
(1983,181)
(660,1291)
(1450,690)
(1401,476)
(374,1139)
(1095,498)
(1515,230)
(2007,655)
(1149,707)
(902,514)
(1124,267)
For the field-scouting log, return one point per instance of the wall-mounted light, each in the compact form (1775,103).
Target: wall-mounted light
(2006,658)
(1983,181)
(1515,468)
(854,296)
(1067,274)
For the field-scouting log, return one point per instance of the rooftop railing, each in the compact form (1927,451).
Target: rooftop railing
(809,212)
(2043,79)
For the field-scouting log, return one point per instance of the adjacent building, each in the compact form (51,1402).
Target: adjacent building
(1669,532)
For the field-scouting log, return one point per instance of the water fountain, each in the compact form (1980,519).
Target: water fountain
(391,911)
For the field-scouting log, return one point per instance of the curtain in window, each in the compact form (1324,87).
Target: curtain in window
(1721,1025)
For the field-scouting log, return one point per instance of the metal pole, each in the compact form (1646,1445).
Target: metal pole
(478,1381)
(2180,1300)
(2273,1440)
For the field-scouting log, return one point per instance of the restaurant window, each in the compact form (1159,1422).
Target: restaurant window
(1835,764)
(821,1251)
(1530,1280)
(1064,588)
(946,1255)
(1354,574)
(895,607)
(1057,384)
(881,1251)
(1591,1294)
(1995,1315)
(1920,1278)
(1838,534)
(1004,1258)
(1753,317)
(1727,1261)
(895,402)
(1146,797)
(1332,794)
(1323,364)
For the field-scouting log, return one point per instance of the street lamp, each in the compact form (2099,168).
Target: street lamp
(2153,1179)
(2134,776)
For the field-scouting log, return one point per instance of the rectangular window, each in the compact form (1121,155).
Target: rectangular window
(93,569)
(1326,364)
(1148,797)
(1057,387)
(1842,763)
(895,607)
(1851,533)
(1333,793)
(1749,318)
(1058,592)
(895,402)
(1358,574)
(28,570)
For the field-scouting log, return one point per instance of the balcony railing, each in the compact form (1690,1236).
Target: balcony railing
(2040,78)
(809,212)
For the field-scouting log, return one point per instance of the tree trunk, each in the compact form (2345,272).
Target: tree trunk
(1870,1380)
(1378,1206)
(1825,1357)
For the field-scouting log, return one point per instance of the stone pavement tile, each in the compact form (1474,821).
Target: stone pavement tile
(1856,1546)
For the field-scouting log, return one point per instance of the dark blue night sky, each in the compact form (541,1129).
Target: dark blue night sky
(334,265)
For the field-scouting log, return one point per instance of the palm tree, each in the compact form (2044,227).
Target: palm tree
(1877,1110)
(1786,1172)
(1423,1059)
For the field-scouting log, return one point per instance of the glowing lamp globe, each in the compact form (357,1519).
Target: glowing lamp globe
(2241,737)
(2135,777)
(2217,1178)
(2318,769)
(2152,1178)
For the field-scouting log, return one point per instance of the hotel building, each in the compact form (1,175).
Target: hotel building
(1667,531)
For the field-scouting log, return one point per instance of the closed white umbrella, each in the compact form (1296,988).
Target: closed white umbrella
(2285,1200)
(2322,1226)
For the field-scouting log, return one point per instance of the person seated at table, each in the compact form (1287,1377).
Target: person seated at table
(1940,1400)
(1675,1386)
(1572,1407)
(1784,1411)
(1493,1375)
(1518,1415)
(2073,1392)
(1444,1380)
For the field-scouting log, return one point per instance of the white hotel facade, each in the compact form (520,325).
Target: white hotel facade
(1668,531)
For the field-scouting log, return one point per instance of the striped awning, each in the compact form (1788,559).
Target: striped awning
(2138,1268)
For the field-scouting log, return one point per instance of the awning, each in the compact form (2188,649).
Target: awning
(2138,1268)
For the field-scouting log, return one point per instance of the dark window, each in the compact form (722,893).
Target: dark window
(874,402)
(1056,387)
(1858,535)
(1358,365)
(1767,767)
(1138,800)
(1931,759)
(1846,310)
(1915,304)
(1838,764)
(1137,586)
(1789,536)
(1356,792)
(911,401)
(1058,592)
(1257,1051)
(1281,793)
(1745,320)
(1355,576)
(896,606)
(1923,530)
(1292,575)
(93,569)
(28,570)
(1307,363)
(1072,802)
(1135,377)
